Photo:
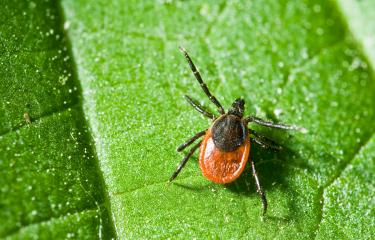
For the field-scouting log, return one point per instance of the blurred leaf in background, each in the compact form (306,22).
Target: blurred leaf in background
(300,62)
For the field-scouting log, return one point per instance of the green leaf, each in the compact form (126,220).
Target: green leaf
(294,62)
(297,62)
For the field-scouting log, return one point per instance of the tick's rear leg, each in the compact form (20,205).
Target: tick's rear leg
(199,108)
(191,140)
(262,194)
(184,161)
(264,141)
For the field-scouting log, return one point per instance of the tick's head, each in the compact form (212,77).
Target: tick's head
(237,108)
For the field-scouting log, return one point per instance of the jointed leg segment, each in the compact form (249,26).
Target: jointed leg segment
(203,85)
(184,161)
(268,124)
(264,141)
(191,140)
(199,108)
(262,194)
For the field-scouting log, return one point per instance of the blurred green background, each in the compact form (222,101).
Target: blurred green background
(102,83)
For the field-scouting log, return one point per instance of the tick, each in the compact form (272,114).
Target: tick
(225,147)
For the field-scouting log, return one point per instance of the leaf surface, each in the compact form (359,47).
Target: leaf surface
(292,61)
(306,63)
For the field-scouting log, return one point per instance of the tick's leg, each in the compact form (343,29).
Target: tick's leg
(269,124)
(262,194)
(203,85)
(184,161)
(198,107)
(191,140)
(264,141)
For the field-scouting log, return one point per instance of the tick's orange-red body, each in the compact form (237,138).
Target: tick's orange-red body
(220,166)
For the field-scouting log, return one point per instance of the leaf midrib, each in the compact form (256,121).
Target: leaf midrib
(106,203)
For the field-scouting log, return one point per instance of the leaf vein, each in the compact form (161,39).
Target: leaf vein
(44,115)
(48,220)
